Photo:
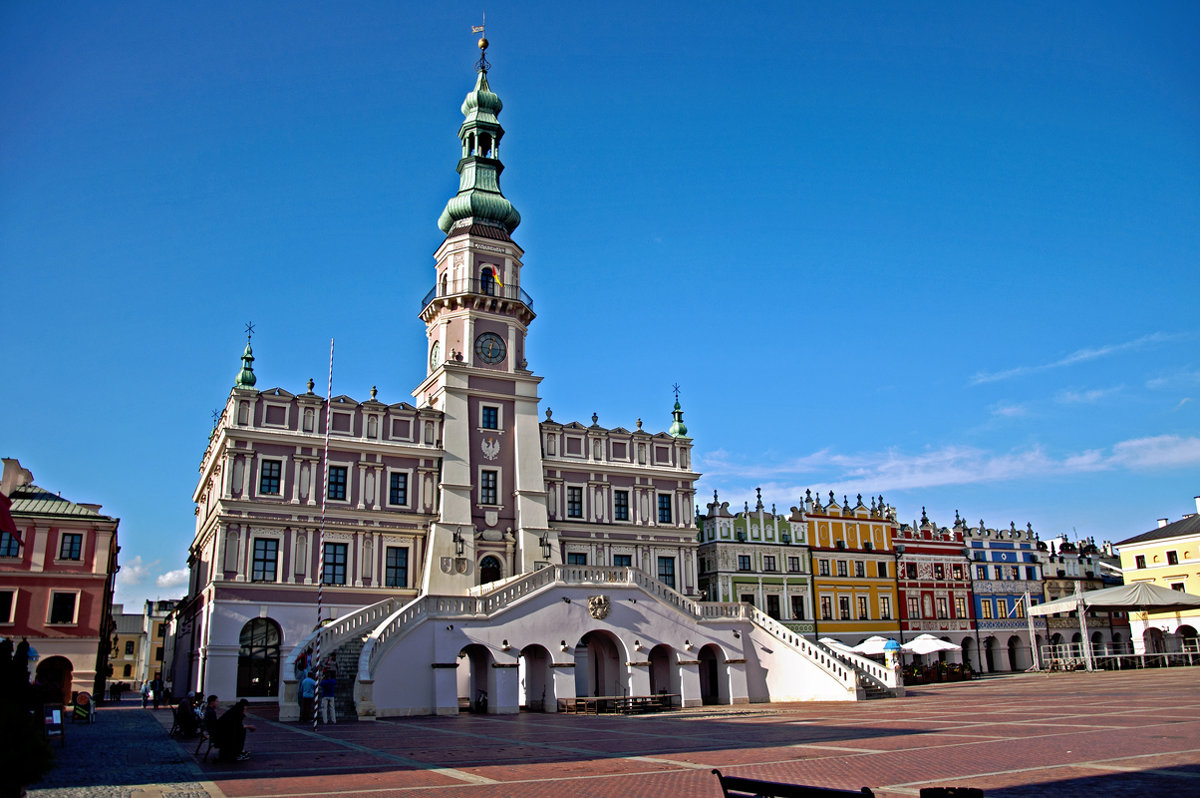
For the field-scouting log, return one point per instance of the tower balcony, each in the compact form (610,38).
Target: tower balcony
(478,294)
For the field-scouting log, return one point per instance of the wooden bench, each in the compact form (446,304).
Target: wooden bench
(737,787)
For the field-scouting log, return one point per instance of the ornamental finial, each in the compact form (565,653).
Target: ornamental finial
(482,64)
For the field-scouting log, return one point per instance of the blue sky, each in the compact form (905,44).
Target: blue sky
(945,252)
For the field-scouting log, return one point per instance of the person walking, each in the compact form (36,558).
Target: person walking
(145,694)
(328,691)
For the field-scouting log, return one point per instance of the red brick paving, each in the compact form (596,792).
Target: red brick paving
(1129,733)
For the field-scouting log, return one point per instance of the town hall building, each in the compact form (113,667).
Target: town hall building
(462,545)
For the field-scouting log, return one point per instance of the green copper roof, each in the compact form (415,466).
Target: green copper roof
(245,377)
(479,198)
(677,429)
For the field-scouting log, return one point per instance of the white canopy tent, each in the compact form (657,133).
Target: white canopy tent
(1135,597)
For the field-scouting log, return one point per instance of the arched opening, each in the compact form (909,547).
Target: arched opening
(969,654)
(1188,639)
(258,659)
(537,684)
(485,145)
(487,281)
(664,670)
(990,649)
(444,283)
(714,680)
(476,678)
(489,569)
(1152,640)
(1098,644)
(53,677)
(598,669)
(1016,654)
(1118,644)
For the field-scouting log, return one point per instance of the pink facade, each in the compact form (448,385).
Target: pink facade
(56,582)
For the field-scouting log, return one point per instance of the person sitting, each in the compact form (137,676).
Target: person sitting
(231,733)
(185,716)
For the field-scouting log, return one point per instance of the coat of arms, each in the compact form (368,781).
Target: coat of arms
(491,448)
(599,606)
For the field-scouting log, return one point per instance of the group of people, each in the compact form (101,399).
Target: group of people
(227,731)
(154,691)
(308,695)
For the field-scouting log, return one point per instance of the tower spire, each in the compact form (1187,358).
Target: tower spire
(479,199)
(245,377)
(677,429)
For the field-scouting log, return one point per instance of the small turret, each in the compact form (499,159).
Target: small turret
(245,377)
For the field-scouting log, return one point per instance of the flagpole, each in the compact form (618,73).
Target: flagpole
(321,536)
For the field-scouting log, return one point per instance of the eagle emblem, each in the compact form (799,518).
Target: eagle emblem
(491,448)
(598,607)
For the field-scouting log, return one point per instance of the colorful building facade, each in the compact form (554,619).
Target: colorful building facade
(934,585)
(759,557)
(1006,573)
(853,568)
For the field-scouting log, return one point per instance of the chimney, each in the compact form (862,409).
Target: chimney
(1197,504)
(1162,522)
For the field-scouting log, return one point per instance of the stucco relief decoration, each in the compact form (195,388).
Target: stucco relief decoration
(598,607)
(490,447)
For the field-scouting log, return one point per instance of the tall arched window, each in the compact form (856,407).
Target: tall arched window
(487,281)
(258,659)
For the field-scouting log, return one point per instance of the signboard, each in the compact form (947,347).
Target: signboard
(53,719)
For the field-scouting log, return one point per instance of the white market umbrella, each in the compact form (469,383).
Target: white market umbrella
(872,646)
(928,644)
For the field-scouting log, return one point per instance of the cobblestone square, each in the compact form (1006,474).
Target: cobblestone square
(1124,733)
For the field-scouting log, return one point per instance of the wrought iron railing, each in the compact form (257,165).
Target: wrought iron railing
(478,287)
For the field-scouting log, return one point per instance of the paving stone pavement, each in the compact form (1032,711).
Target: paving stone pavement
(126,753)
(1130,733)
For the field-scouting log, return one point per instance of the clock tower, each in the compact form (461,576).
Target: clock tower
(492,520)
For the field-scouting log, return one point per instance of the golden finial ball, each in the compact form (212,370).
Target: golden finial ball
(483,44)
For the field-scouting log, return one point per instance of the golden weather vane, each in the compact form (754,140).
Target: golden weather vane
(482,64)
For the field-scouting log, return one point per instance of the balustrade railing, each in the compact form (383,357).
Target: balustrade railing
(338,631)
(478,287)
(819,655)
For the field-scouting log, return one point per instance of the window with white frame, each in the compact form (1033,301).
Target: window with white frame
(826,608)
(862,608)
(914,607)
(574,502)
(395,572)
(620,505)
(63,607)
(664,508)
(489,417)
(885,608)
(71,546)
(266,557)
(9,546)
(8,605)
(334,572)
(398,489)
(793,564)
(338,476)
(269,477)
(489,489)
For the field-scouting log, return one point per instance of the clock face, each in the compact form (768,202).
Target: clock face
(435,355)
(490,348)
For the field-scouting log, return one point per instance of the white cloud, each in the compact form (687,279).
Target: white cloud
(1078,356)
(1010,411)
(1162,451)
(172,578)
(1069,397)
(882,472)
(134,571)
